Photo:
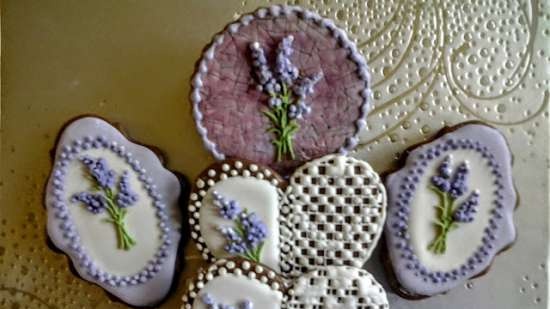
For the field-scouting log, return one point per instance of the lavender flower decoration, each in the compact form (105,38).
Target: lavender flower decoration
(95,203)
(287,91)
(228,209)
(450,187)
(125,196)
(99,170)
(467,209)
(210,303)
(104,198)
(248,236)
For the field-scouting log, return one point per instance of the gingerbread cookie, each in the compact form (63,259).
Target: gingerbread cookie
(330,213)
(339,287)
(114,210)
(450,209)
(243,284)
(236,284)
(280,86)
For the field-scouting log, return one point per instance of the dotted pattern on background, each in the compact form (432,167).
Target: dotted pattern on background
(433,63)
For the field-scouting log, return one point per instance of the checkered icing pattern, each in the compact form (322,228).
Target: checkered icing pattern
(337,287)
(338,210)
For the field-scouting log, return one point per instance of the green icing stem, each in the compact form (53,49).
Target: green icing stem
(253,254)
(117,215)
(445,223)
(283,127)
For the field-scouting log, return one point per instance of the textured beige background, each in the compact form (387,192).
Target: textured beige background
(434,63)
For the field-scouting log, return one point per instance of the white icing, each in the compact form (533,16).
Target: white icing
(156,288)
(423,214)
(99,237)
(231,289)
(333,287)
(357,212)
(256,195)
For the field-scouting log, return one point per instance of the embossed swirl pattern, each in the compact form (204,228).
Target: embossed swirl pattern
(454,60)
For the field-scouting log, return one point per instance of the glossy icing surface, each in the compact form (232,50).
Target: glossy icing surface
(99,238)
(338,287)
(140,276)
(256,195)
(423,214)
(222,85)
(470,246)
(338,208)
(231,289)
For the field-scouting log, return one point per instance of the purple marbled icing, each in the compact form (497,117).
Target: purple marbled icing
(498,233)
(229,106)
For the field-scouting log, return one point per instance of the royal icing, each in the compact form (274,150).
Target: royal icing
(339,287)
(244,70)
(337,212)
(113,208)
(331,213)
(257,196)
(248,186)
(450,209)
(235,283)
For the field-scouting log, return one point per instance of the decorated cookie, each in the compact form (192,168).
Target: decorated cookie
(114,210)
(339,287)
(243,284)
(279,87)
(450,210)
(235,284)
(330,213)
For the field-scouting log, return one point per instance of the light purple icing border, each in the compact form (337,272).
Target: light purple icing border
(498,234)
(150,285)
(275,11)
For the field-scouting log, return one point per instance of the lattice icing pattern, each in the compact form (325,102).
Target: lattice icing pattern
(337,213)
(243,284)
(339,287)
(331,213)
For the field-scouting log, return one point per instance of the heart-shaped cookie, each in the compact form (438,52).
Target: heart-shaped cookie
(330,212)
(242,284)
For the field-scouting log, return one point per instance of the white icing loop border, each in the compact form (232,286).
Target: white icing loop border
(276,11)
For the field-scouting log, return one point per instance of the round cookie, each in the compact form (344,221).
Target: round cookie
(279,87)
(450,210)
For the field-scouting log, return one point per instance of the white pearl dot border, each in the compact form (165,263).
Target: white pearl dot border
(237,267)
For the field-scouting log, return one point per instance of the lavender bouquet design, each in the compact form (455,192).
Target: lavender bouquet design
(247,237)
(103,197)
(210,303)
(450,186)
(287,91)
